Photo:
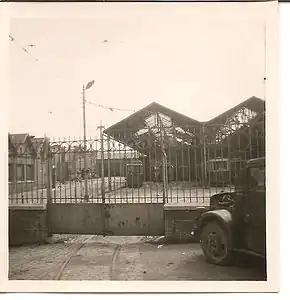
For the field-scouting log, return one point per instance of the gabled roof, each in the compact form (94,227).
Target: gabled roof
(254,104)
(151,123)
(137,119)
(11,145)
(246,114)
(18,138)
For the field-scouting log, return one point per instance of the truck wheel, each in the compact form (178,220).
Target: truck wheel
(215,243)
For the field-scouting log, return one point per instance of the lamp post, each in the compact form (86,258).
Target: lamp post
(89,85)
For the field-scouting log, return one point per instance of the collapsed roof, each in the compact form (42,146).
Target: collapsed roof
(162,127)
(154,124)
(243,116)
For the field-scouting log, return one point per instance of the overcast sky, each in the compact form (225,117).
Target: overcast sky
(197,67)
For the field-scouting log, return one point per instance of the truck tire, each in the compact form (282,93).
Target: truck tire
(215,243)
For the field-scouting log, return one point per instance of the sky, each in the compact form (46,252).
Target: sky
(198,67)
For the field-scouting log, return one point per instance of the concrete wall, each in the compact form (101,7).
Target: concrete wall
(27,224)
(119,219)
(175,221)
(74,218)
(145,219)
(179,221)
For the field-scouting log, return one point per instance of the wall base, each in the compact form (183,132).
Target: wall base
(27,225)
(179,222)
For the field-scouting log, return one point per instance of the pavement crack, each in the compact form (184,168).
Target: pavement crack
(113,273)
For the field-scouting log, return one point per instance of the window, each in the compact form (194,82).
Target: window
(20,173)
(219,165)
(257,177)
(10,173)
(29,172)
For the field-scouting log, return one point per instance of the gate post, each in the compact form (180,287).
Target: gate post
(165,177)
(102,178)
(109,163)
(164,168)
(48,157)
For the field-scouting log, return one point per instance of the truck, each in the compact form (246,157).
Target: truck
(222,171)
(236,221)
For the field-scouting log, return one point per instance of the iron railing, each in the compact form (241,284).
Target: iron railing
(158,165)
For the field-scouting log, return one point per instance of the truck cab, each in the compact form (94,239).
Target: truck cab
(236,221)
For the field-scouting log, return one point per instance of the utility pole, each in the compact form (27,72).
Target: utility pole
(101,128)
(85,147)
(205,181)
(47,157)
(89,85)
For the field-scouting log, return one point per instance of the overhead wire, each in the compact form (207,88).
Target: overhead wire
(110,107)
(13,40)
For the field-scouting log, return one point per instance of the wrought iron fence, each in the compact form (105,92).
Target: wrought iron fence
(160,164)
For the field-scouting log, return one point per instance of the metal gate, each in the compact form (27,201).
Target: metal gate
(118,184)
(90,191)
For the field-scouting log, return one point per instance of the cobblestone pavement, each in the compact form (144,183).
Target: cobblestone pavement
(120,258)
(42,261)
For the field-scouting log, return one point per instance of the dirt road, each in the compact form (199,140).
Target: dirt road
(120,258)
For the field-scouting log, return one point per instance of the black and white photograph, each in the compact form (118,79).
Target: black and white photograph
(137,146)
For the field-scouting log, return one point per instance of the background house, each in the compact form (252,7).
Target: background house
(27,168)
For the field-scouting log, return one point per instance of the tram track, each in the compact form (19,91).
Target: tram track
(113,274)
(65,263)
(68,259)
(106,263)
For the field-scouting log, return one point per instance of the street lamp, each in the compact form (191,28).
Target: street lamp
(88,86)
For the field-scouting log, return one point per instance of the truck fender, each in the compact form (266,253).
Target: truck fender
(223,216)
